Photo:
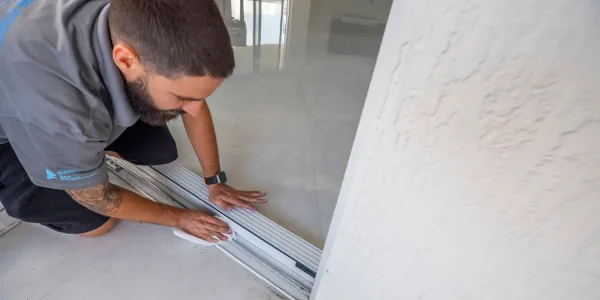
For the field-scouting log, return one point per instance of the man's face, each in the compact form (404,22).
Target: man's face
(158,99)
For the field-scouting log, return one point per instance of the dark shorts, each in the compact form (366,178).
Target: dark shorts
(140,144)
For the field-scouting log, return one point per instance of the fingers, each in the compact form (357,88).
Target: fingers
(242,198)
(218,229)
(255,194)
(227,197)
(222,204)
(239,203)
(203,226)
(207,237)
(211,233)
(213,237)
(219,236)
(252,196)
(250,199)
(214,221)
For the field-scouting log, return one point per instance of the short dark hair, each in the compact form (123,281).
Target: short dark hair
(175,37)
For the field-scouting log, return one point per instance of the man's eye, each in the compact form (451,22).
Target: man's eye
(189,100)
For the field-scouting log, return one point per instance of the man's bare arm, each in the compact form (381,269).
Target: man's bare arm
(201,133)
(104,199)
(113,201)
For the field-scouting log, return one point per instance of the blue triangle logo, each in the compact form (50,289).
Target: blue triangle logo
(50,174)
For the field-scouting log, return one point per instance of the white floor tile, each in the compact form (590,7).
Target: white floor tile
(135,261)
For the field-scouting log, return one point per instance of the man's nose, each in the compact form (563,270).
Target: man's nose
(192,108)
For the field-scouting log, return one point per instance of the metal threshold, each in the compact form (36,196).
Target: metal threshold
(280,258)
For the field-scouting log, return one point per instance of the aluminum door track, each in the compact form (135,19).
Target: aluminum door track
(283,260)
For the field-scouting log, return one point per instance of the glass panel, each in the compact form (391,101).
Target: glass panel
(286,119)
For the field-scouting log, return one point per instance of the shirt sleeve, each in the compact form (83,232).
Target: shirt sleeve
(55,157)
(56,125)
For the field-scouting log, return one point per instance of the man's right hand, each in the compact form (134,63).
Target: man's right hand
(113,201)
(203,226)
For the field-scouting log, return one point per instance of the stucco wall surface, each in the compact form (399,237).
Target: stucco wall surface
(475,173)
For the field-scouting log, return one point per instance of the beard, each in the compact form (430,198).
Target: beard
(143,104)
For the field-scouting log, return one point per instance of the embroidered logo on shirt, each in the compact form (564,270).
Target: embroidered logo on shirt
(50,174)
(64,175)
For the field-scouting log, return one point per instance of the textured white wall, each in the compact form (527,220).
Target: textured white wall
(476,169)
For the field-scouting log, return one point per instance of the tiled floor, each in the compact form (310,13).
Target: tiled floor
(289,133)
(136,261)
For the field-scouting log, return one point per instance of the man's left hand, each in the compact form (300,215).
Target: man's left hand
(227,197)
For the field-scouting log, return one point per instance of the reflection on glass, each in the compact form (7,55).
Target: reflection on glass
(286,119)
(261,26)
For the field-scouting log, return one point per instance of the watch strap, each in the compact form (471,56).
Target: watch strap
(220,178)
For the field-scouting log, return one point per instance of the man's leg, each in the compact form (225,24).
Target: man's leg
(54,209)
(102,230)
(146,145)
(140,144)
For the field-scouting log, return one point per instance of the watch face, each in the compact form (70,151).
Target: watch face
(222,177)
(217,179)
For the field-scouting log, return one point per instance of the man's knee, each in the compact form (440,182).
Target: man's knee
(163,154)
(16,199)
(13,209)
(112,154)
(102,230)
(166,155)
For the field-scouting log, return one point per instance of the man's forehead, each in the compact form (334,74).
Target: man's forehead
(192,88)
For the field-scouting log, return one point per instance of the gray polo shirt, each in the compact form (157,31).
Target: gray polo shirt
(62,99)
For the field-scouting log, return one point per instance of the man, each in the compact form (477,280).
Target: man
(81,77)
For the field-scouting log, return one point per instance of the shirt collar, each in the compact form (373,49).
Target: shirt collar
(123,114)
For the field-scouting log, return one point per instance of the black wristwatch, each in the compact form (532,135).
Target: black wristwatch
(217,179)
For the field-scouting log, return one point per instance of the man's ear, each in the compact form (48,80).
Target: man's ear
(127,60)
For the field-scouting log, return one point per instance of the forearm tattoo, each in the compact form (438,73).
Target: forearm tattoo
(103,199)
